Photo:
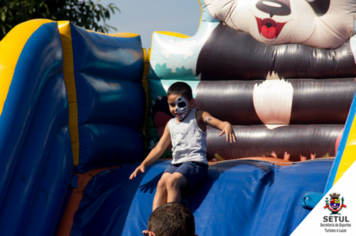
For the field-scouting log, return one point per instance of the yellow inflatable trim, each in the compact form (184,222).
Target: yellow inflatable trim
(201,17)
(174,34)
(117,35)
(146,87)
(68,72)
(10,50)
(349,156)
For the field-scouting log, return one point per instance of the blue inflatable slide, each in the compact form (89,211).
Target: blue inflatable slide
(80,110)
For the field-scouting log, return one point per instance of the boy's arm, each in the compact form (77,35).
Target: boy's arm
(155,153)
(225,126)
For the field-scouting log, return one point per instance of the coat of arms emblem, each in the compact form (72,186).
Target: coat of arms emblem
(335,204)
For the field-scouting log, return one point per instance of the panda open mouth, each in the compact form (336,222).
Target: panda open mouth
(269,28)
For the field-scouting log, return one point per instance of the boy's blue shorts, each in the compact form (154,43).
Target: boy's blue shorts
(194,172)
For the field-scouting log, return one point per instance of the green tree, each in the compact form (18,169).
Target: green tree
(84,13)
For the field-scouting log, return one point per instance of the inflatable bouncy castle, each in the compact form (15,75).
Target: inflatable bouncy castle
(79,110)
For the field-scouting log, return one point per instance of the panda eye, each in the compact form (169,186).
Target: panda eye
(320,7)
(181,104)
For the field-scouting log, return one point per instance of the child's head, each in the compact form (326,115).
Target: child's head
(172,219)
(180,99)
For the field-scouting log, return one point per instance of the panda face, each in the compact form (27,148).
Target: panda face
(181,107)
(320,7)
(283,22)
(283,7)
(273,21)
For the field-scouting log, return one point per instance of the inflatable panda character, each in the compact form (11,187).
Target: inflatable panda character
(282,38)
(316,23)
(293,38)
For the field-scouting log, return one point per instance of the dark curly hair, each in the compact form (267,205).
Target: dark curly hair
(182,89)
(172,219)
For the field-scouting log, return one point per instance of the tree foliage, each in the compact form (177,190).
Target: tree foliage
(84,13)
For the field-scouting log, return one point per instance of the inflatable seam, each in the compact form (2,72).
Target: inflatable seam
(69,79)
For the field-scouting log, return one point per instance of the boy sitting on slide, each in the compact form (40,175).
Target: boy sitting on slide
(187,132)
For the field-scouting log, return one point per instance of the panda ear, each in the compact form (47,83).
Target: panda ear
(220,9)
(320,7)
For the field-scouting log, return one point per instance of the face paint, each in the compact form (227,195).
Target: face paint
(181,107)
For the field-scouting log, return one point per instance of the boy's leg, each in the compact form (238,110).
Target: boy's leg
(161,192)
(174,183)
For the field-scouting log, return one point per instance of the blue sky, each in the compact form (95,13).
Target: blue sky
(145,16)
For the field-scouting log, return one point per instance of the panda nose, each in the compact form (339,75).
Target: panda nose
(274,7)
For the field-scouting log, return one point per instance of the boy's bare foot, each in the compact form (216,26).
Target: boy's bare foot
(286,156)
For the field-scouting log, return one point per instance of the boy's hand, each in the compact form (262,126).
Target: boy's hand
(140,169)
(225,127)
(230,136)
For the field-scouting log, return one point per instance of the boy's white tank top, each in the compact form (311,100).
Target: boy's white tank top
(188,140)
